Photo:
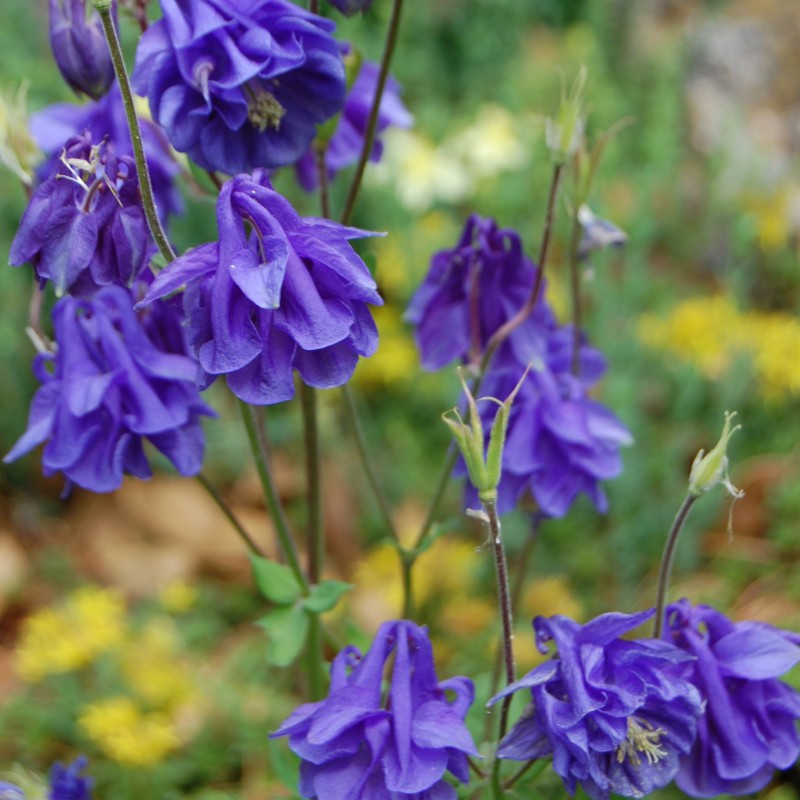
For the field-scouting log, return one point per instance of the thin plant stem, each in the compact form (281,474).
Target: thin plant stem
(258,446)
(217,497)
(508,327)
(438,493)
(315,539)
(407,565)
(322,179)
(366,462)
(372,123)
(575,291)
(145,185)
(666,562)
(475,768)
(313,6)
(507,622)
(540,763)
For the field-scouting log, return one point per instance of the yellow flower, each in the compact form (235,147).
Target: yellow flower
(178,597)
(66,637)
(151,666)
(397,359)
(128,735)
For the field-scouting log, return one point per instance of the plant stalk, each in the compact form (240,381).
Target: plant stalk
(145,184)
(217,497)
(667,560)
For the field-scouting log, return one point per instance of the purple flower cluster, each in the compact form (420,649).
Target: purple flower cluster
(109,386)
(366,742)
(560,442)
(85,226)
(239,86)
(615,715)
(79,47)
(54,126)
(749,725)
(347,141)
(278,292)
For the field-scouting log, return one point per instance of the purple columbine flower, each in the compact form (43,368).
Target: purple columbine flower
(239,86)
(749,726)
(53,126)
(344,147)
(107,388)
(614,715)
(10,791)
(350,7)
(79,46)
(66,783)
(363,742)
(277,293)
(84,226)
(598,234)
(470,291)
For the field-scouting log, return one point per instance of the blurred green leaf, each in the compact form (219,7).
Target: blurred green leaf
(286,629)
(275,581)
(324,596)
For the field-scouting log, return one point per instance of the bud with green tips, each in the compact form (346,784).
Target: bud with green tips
(484,463)
(710,469)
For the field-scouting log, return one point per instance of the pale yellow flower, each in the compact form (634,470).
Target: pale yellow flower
(178,597)
(66,637)
(128,735)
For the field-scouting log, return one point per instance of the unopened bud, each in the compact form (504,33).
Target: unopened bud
(18,151)
(710,469)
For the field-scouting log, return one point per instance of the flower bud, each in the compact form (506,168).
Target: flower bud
(18,151)
(79,47)
(564,132)
(710,469)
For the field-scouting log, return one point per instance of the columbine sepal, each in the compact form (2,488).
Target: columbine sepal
(485,468)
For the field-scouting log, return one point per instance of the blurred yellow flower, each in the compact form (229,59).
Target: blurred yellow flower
(91,621)
(127,734)
(152,667)
(712,334)
(397,358)
(178,597)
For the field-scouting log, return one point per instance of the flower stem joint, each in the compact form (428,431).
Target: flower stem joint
(484,462)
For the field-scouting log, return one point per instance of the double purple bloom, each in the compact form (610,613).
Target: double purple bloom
(277,293)
(85,226)
(363,742)
(240,85)
(107,388)
(614,715)
(749,725)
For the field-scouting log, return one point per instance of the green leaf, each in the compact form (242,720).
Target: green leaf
(324,596)
(275,581)
(286,629)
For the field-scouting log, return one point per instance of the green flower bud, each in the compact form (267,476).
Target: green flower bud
(710,469)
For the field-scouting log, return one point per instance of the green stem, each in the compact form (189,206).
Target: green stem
(540,763)
(259,447)
(372,124)
(366,462)
(575,290)
(217,497)
(145,185)
(508,327)
(666,562)
(315,539)
(322,179)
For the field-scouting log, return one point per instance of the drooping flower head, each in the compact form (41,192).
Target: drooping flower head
(67,783)
(277,293)
(362,742)
(105,119)
(84,226)
(470,291)
(749,726)
(240,85)
(106,389)
(345,145)
(614,715)
(79,46)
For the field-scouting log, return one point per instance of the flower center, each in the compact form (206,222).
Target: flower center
(642,738)
(263,109)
